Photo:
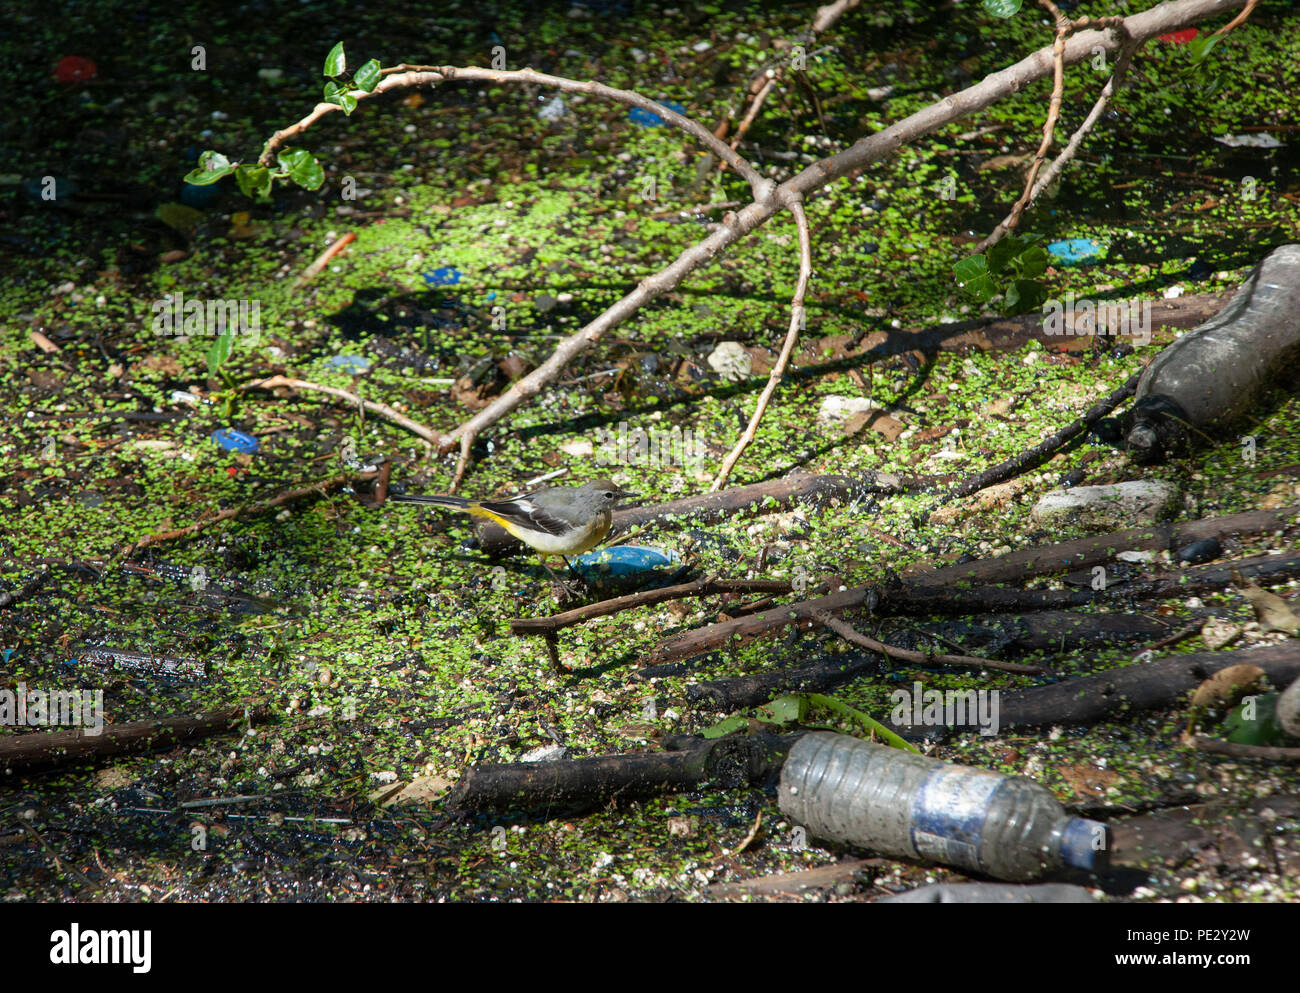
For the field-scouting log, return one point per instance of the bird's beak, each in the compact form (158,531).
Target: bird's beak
(625,494)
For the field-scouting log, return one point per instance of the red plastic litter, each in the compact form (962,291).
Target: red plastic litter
(1180,37)
(75,68)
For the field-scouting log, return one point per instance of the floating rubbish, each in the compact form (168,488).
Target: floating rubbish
(235,441)
(624,561)
(1076,250)
(907,805)
(445,276)
(75,69)
(1261,140)
(148,664)
(200,196)
(646,118)
(553,110)
(992,893)
(352,363)
(1218,372)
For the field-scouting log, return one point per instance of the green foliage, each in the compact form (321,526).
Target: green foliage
(1002,8)
(794,708)
(1012,267)
(255,180)
(1255,722)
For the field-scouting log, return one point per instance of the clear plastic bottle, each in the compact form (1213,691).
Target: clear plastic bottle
(899,803)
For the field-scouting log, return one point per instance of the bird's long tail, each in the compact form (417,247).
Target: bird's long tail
(454,503)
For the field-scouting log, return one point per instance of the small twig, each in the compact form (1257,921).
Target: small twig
(58,863)
(1035,189)
(382,409)
(700,587)
(846,632)
(797,319)
(1273,753)
(323,259)
(1041,452)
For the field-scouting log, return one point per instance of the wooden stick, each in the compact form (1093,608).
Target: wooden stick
(39,750)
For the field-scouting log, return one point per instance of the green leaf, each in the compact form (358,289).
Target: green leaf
(367,77)
(868,723)
(220,350)
(254,181)
(1032,262)
(1262,729)
(1200,47)
(1002,8)
(974,279)
(336,63)
(784,709)
(970,268)
(1003,252)
(726,726)
(1024,295)
(340,97)
(301,167)
(212,167)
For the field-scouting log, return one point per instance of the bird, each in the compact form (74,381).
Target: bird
(553,520)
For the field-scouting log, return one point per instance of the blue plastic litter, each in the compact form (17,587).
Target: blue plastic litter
(200,196)
(445,276)
(651,120)
(624,560)
(1076,250)
(353,363)
(235,441)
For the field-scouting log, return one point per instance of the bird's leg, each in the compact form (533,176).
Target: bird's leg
(566,591)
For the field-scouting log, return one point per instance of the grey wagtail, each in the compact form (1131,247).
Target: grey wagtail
(555,520)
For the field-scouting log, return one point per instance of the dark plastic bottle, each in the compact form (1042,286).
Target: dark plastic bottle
(899,803)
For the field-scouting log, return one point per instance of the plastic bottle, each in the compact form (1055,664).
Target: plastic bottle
(1217,372)
(903,804)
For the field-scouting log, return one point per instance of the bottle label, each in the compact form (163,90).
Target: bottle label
(948,815)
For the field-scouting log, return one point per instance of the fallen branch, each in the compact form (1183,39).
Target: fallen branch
(920,658)
(743,692)
(39,750)
(1270,753)
(382,409)
(704,586)
(768,198)
(1144,686)
(248,510)
(794,202)
(722,763)
(915,600)
(313,270)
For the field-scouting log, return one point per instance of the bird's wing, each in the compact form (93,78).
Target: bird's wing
(525,513)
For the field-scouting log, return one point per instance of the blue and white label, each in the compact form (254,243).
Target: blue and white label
(948,815)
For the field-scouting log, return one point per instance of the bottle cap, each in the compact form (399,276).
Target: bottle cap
(1084,843)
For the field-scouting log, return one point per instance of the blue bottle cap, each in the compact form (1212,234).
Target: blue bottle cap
(1084,843)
